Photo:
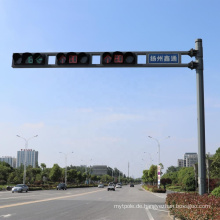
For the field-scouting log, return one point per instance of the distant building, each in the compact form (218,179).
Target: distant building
(31,157)
(190,159)
(180,163)
(10,160)
(99,170)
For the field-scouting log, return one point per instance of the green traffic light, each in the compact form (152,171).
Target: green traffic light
(39,59)
(29,60)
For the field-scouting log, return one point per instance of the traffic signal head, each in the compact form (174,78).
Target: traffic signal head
(73,58)
(119,58)
(28,59)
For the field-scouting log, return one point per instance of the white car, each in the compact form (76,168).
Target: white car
(20,188)
(111,186)
(118,185)
(101,186)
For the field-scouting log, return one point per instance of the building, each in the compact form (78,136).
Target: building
(190,159)
(31,157)
(180,163)
(99,170)
(10,160)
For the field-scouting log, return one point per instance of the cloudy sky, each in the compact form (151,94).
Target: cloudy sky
(105,115)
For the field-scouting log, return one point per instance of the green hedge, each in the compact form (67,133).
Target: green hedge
(193,206)
(216,192)
(154,189)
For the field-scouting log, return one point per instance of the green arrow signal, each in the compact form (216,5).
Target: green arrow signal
(39,59)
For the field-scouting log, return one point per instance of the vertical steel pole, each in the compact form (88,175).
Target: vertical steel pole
(128,169)
(25,161)
(65,169)
(158,170)
(201,118)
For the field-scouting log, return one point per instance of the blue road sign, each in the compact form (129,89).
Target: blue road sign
(163,58)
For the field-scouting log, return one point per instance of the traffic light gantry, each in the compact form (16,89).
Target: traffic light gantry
(103,59)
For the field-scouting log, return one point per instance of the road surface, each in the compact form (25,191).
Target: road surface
(126,203)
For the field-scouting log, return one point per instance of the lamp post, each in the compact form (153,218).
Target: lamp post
(158,158)
(65,166)
(25,154)
(151,160)
(86,171)
(90,171)
(158,147)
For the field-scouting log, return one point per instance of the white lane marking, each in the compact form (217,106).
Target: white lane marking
(160,210)
(9,198)
(18,197)
(5,216)
(149,214)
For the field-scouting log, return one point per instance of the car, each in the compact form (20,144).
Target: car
(111,186)
(61,186)
(131,185)
(101,185)
(118,185)
(20,188)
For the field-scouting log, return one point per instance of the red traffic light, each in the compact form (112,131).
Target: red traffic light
(73,58)
(119,58)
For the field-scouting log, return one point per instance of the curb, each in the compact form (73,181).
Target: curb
(173,217)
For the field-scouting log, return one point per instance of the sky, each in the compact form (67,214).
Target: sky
(105,115)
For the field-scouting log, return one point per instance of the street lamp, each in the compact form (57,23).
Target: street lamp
(151,160)
(25,154)
(65,166)
(158,147)
(158,158)
(86,171)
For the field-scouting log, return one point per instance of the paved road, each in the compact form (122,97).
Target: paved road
(127,203)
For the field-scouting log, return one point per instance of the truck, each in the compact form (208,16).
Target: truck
(111,186)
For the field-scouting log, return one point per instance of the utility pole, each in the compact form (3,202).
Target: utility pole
(128,169)
(65,166)
(201,117)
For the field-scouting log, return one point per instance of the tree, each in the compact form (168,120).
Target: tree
(152,173)
(79,177)
(94,178)
(109,171)
(186,178)
(172,169)
(106,178)
(72,175)
(43,166)
(5,170)
(161,168)
(215,167)
(146,177)
(173,176)
(165,181)
(56,173)
(84,177)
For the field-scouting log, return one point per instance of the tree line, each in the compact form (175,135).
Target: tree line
(41,174)
(186,177)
